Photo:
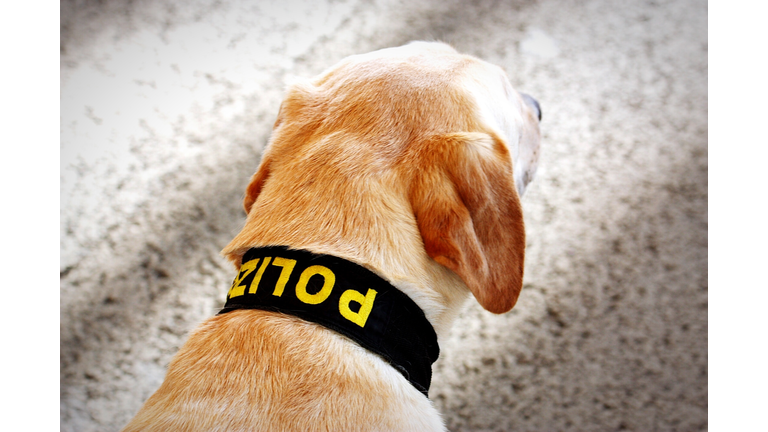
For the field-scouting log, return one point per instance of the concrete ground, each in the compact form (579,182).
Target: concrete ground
(166,106)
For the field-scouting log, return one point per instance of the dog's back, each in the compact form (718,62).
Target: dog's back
(261,371)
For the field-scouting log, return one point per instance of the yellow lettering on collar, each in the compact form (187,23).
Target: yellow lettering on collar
(236,290)
(285,273)
(259,273)
(366,304)
(325,291)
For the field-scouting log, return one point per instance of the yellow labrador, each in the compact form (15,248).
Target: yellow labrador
(389,191)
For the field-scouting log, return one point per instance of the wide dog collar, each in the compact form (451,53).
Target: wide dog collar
(342,296)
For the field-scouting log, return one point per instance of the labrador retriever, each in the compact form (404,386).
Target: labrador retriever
(388,192)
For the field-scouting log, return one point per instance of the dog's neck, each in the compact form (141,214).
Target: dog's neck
(439,292)
(344,297)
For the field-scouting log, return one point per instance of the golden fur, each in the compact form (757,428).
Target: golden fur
(409,161)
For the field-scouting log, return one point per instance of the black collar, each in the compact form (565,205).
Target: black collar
(342,296)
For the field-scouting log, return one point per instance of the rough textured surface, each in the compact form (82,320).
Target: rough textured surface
(166,105)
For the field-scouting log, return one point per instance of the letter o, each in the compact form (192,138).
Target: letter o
(325,291)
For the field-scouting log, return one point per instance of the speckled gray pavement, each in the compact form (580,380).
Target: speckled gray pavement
(166,106)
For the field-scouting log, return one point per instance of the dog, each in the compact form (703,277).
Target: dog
(390,181)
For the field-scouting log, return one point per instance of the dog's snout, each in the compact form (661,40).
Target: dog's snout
(533,103)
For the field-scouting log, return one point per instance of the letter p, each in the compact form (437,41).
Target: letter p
(366,304)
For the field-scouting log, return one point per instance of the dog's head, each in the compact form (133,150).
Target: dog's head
(443,135)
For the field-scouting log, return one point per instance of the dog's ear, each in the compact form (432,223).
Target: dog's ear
(469,214)
(257,181)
